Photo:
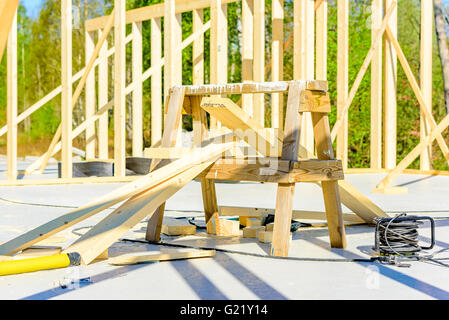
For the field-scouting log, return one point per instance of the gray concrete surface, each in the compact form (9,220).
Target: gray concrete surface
(230,275)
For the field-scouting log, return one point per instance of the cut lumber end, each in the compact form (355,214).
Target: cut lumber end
(250,221)
(391,190)
(154,257)
(314,101)
(252,231)
(223,227)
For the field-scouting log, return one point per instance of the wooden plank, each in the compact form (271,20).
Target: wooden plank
(267,236)
(426,53)
(177,255)
(130,213)
(321,39)
(200,134)
(156,81)
(90,97)
(358,203)
(389,97)
(342,79)
(243,126)
(12,101)
(296,214)
(275,171)
(152,12)
(218,47)
(103,99)
(290,151)
(38,251)
(119,89)
(247,52)
(331,192)
(137,109)
(172,53)
(143,183)
(66,83)
(376,88)
(198,48)
(7,12)
(241,88)
(259,59)
(277,61)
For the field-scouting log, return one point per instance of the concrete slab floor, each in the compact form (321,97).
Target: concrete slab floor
(229,275)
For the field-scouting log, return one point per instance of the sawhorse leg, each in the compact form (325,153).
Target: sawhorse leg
(331,192)
(171,127)
(200,134)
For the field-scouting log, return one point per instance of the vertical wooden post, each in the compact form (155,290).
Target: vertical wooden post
(247,51)
(137,110)
(172,51)
(426,77)
(103,99)
(66,90)
(156,81)
(390,85)
(342,78)
(304,56)
(218,47)
(376,89)
(321,41)
(119,89)
(259,59)
(277,62)
(90,97)
(198,48)
(286,191)
(11,107)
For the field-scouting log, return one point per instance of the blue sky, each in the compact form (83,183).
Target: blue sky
(32,6)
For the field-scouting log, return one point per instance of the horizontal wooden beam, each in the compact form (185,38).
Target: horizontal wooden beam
(151,12)
(274,170)
(251,87)
(178,255)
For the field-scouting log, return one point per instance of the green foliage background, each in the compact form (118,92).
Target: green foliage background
(39,70)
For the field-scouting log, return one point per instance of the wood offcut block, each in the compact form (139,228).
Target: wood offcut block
(269,226)
(250,221)
(223,227)
(252,231)
(177,227)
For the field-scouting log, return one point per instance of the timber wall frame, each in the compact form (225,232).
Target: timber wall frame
(309,41)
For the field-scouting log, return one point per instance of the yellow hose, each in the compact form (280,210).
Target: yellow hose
(41,263)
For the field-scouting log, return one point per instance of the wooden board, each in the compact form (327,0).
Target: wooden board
(152,179)
(126,260)
(275,171)
(130,213)
(7,12)
(242,124)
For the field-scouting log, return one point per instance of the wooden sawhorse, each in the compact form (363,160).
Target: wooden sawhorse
(291,162)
